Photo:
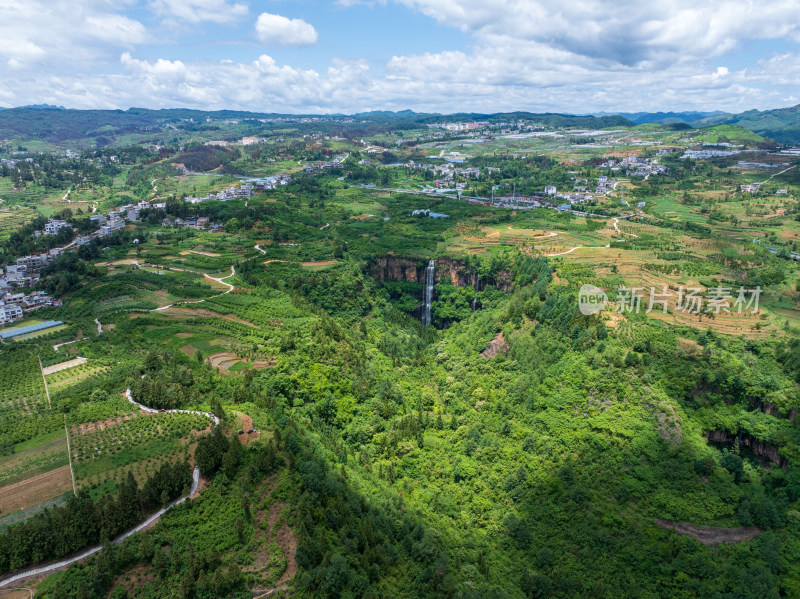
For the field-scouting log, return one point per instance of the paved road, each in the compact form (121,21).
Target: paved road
(63,563)
(144,408)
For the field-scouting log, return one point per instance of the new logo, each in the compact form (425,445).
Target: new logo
(591,300)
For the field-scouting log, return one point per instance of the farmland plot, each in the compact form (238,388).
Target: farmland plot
(34,462)
(101,449)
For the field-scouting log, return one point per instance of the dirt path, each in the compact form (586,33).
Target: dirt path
(616,227)
(580,247)
(44,379)
(78,337)
(210,278)
(711,535)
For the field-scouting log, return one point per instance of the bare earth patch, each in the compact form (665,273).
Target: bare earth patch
(35,489)
(63,365)
(247,424)
(711,535)
(211,254)
(206,313)
(320,263)
(495,346)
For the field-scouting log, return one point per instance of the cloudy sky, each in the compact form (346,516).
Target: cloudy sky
(574,56)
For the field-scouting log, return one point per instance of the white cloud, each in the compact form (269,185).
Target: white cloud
(63,32)
(583,56)
(281,31)
(625,31)
(196,11)
(115,29)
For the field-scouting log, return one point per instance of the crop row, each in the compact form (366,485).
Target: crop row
(71,376)
(135,433)
(23,406)
(141,469)
(21,380)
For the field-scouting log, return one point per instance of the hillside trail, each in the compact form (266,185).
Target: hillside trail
(286,540)
(616,227)
(219,280)
(580,247)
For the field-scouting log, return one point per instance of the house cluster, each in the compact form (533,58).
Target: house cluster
(200,224)
(633,165)
(232,193)
(604,184)
(110,223)
(25,271)
(274,182)
(335,162)
(244,190)
(460,126)
(750,188)
(13,306)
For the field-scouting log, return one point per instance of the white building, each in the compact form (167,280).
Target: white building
(550,190)
(53,226)
(9,313)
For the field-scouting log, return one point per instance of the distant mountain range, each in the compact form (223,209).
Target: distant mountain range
(665,118)
(780,124)
(56,124)
(103,127)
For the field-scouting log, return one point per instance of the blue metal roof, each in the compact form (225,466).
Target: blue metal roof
(31,328)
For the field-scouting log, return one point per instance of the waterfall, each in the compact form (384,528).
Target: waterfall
(428,297)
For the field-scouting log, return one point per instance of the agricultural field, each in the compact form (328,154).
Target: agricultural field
(34,462)
(107,449)
(467,456)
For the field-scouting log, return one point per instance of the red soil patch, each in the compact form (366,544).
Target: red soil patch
(285,539)
(100,425)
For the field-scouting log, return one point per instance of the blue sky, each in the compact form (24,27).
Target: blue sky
(428,55)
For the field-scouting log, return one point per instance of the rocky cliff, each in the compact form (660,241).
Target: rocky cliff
(760,448)
(394,268)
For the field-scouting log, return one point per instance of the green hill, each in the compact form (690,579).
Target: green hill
(782,124)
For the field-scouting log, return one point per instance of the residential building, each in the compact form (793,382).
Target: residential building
(53,226)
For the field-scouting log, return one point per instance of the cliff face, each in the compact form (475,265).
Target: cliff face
(772,410)
(760,448)
(393,268)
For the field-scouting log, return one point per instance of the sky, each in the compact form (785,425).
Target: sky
(346,56)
